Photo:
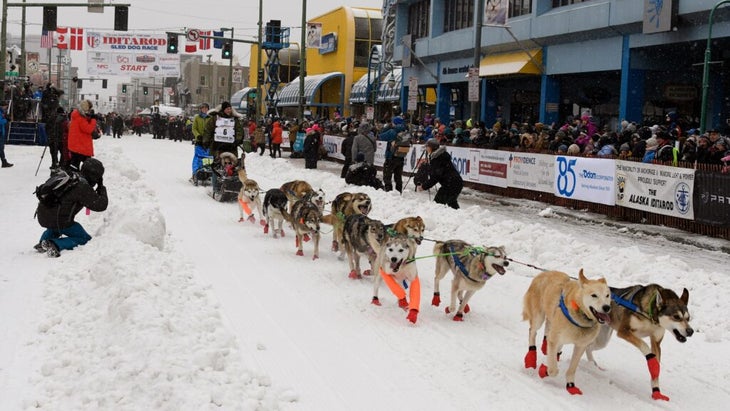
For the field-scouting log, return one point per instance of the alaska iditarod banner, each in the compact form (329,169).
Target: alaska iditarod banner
(655,188)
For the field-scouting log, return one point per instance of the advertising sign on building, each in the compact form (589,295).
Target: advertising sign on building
(412,94)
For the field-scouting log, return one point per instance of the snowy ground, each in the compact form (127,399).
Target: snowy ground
(176,305)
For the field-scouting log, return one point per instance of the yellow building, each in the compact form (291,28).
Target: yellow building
(348,34)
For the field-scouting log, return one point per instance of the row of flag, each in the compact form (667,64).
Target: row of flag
(72,38)
(66,38)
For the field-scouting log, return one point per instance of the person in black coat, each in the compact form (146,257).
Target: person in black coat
(62,232)
(442,171)
(346,150)
(311,149)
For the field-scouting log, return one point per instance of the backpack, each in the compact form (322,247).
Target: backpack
(402,144)
(50,193)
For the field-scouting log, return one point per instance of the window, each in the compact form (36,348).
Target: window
(221,81)
(459,14)
(203,81)
(560,3)
(418,19)
(519,7)
(367,34)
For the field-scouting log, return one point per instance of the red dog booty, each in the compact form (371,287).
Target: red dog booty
(572,389)
(653,365)
(531,357)
(412,315)
(436,300)
(657,395)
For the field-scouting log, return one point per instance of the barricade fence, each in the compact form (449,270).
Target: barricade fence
(690,197)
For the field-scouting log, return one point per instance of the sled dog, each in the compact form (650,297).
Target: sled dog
(275,203)
(305,219)
(344,205)
(248,198)
(413,227)
(572,311)
(395,264)
(361,235)
(472,267)
(646,311)
(296,190)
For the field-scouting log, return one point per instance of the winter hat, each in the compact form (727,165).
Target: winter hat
(573,150)
(225,105)
(474,132)
(625,147)
(433,143)
(93,170)
(652,144)
(563,148)
(364,129)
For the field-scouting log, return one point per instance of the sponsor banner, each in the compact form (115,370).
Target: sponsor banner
(655,188)
(485,166)
(586,179)
(126,42)
(529,171)
(132,64)
(712,198)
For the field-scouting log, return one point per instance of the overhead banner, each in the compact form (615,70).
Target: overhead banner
(586,179)
(314,35)
(655,188)
(132,64)
(495,12)
(126,42)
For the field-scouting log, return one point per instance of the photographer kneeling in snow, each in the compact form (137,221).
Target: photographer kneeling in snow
(62,232)
(442,171)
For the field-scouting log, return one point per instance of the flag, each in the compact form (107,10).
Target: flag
(191,46)
(46,39)
(204,44)
(217,43)
(71,38)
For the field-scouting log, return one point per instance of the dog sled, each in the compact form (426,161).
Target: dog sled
(225,181)
(204,173)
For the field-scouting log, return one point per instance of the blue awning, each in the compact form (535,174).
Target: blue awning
(289,95)
(386,93)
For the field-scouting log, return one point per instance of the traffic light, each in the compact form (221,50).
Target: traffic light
(261,77)
(124,88)
(144,91)
(49,18)
(79,82)
(172,43)
(227,50)
(121,14)
(103,83)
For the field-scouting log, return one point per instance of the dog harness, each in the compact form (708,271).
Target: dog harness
(626,301)
(460,265)
(566,313)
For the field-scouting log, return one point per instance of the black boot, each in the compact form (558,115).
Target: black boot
(6,164)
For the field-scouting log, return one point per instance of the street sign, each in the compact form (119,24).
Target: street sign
(193,35)
(370,113)
(473,84)
(412,94)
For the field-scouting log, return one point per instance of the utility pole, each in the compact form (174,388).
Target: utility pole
(477,55)
(258,61)
(21,66)
(3,48)
(303,61)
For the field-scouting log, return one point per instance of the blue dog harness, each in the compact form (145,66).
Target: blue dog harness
(460,265)
(626,301)
(566,313)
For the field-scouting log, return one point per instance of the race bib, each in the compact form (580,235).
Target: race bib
(224,130)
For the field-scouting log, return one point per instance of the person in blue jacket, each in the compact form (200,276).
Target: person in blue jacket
(393,166)
(3,124)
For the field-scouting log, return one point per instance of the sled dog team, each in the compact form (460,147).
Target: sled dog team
(579,311)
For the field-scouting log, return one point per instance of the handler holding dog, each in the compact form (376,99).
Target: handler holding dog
(442,171)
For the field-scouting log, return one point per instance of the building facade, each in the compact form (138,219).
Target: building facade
(620,59)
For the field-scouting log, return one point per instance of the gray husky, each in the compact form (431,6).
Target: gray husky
(361,235)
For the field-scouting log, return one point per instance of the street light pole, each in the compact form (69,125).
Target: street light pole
(477,55)
(706,68)
(258,61)
(3,49)
(230,66)
(303,61)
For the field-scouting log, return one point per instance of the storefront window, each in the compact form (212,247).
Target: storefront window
(458,15)
(519,7)
(418,18)
(560,3)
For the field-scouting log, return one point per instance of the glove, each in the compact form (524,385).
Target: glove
(101,182)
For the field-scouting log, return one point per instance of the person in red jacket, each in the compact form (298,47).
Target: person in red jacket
(80,142)
(276,139)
